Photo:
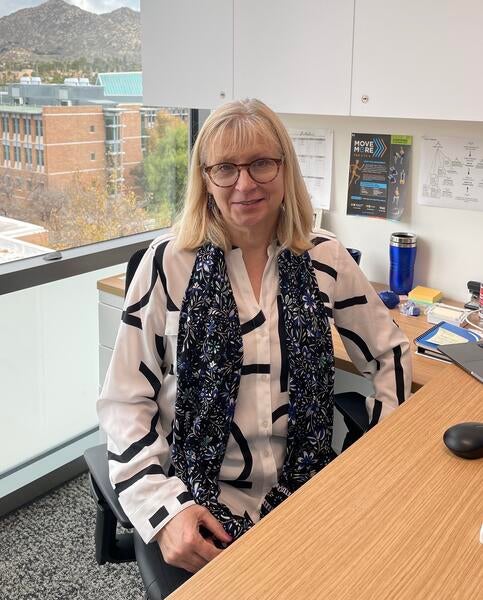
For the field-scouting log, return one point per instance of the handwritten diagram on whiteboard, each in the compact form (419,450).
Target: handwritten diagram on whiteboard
(451,173)
(313,148)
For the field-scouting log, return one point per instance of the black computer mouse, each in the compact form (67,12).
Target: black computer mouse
(465,439)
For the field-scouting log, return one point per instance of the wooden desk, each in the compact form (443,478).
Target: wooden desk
(424,369)
(113,285)
(396,516)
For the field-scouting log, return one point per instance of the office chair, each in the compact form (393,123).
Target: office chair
(116,547)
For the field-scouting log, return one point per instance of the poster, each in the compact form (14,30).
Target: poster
(313,148)
(451,172)
(378,175)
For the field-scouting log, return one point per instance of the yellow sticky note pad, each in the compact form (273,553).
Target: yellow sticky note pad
(425,294)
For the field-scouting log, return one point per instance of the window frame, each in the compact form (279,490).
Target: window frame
(30,272)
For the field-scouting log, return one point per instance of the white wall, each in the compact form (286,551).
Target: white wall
(450,241)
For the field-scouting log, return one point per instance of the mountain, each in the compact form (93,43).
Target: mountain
(57,30)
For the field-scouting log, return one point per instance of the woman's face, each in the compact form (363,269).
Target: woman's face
(247,206)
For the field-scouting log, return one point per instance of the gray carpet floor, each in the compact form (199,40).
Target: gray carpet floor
(47,552)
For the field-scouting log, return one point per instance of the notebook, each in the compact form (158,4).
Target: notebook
(431,341)
(467,356)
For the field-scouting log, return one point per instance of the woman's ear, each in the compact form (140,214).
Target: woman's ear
(210,188)
(206,181)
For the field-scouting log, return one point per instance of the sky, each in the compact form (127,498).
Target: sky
(97,6)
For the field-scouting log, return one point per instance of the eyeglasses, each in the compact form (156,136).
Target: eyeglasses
(261,170)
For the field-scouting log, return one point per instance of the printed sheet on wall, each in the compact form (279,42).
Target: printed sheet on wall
(451,172)
(378,175)
(314,148)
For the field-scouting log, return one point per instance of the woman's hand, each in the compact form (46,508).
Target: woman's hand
(182,544)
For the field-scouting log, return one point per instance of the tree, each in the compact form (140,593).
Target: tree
(166,164)
(90,214)
(41,205)
(7,193)
(83,213)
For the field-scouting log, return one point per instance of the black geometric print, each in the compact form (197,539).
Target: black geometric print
(158,259)
(339,304)
(127,316)
(139,445)
(318,266)
(158,517)
(151,470)
(252,324)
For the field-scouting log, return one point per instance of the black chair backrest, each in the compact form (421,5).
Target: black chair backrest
(132,265)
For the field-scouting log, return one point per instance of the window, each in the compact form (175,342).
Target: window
(5,125)
(39,128)
(28,156)
(40,158)
(104,154)
(113,126)
(67,199)
(27,125)
(148,121)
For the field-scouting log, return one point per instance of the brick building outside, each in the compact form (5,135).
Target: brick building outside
(50,133)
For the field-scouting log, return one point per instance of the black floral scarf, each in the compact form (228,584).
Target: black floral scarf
(210,357)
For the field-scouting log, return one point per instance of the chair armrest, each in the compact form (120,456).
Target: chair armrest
(159,578)
(96,459)
(352,406)
(111,546)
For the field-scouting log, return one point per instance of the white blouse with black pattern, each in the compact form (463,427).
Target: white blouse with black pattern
(136,407)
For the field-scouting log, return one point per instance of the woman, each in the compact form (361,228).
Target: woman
(219,398)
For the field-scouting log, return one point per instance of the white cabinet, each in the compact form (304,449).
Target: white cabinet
(387,58)
(418,59)
(294,55)
(187,52)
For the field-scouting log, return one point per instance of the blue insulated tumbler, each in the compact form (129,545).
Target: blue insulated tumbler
(402,254)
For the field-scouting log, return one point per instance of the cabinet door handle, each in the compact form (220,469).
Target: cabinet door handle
(365,98)
(222,94)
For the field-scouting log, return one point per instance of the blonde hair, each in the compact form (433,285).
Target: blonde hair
(234,127)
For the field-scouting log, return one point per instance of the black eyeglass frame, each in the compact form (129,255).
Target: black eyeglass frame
(278,161)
